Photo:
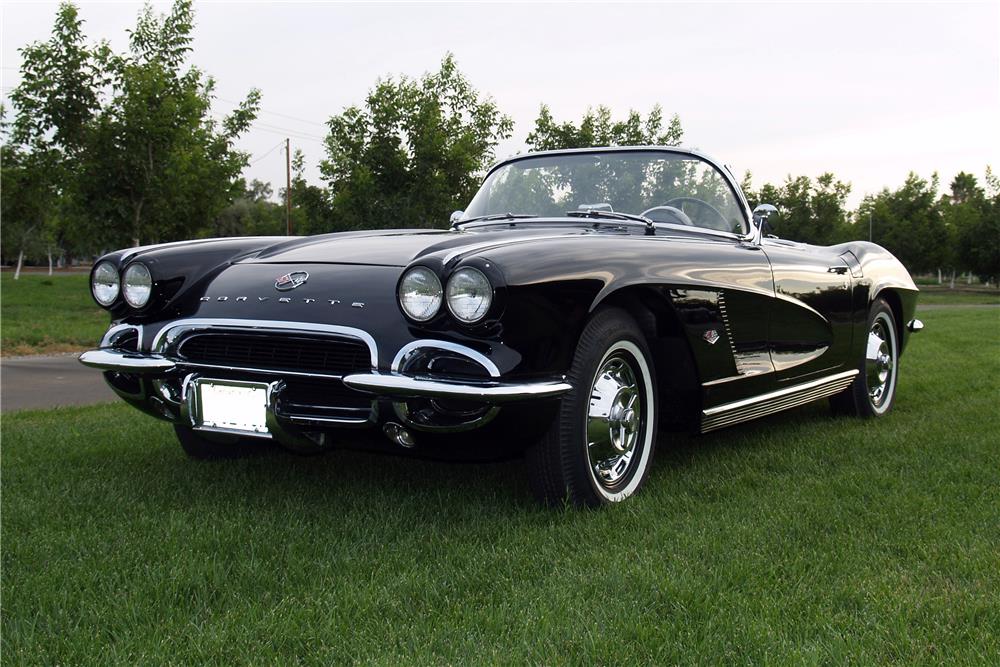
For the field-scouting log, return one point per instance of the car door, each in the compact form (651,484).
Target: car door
(810,324)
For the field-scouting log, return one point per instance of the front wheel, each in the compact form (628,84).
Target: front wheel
(874,388)
(600,446)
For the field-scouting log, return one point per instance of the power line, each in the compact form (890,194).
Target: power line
(277,129)
(289,134)
(270,150)
(275,113)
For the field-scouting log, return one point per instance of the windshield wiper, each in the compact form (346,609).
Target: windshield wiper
(494,216)
(612,215)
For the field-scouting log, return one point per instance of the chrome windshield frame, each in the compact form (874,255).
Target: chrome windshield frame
(750,235)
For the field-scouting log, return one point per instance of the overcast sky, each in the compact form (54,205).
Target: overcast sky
(867,91)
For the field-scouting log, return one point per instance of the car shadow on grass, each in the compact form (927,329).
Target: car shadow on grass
(352,480)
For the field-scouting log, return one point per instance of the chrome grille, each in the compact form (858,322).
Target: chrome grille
(330,355)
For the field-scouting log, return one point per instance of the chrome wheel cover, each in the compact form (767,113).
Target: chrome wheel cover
(616,420)
(880,362)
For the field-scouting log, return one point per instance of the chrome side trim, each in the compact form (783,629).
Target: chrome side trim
(169,333)
(492,393)
(128,362)
(775,401)
(729,331)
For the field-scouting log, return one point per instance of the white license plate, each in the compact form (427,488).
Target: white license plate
(233,407)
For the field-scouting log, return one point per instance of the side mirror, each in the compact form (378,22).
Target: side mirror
(455,216)
(761,214)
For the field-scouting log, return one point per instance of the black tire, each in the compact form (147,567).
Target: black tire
(610,461)
(873,391)
(202,448)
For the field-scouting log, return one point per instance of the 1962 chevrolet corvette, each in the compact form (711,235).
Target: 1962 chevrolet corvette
(584,301)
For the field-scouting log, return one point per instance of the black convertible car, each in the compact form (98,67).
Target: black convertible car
(583,302)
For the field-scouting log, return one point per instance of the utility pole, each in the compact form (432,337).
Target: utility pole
(288,187)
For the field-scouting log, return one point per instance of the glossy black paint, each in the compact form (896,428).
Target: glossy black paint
(728,317)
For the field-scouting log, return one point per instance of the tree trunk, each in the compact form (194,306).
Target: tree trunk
(20,260)
(939,276)
(50,261)
(952,279)
(968,278)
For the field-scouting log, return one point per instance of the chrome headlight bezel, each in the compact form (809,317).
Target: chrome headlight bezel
(105,277)
(469,295)
(137,285)
(420,282)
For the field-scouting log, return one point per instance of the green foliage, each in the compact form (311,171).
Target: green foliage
(908,222)
(126,145)
(973,220)
(159,166)
(808,211)
(413,153)
(597,128)
(312,210)
(251,213)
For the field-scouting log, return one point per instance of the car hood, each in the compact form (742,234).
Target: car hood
(398,247)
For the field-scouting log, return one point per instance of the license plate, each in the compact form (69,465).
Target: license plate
(233,406)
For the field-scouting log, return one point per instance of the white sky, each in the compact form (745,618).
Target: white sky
(867,91)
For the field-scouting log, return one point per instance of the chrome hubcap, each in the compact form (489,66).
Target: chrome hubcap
(614,421)
(880,365)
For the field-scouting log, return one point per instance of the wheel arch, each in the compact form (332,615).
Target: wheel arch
(674,364)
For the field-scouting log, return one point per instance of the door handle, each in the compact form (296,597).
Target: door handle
(837,269)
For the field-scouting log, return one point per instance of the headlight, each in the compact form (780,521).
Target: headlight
(104,284)
(420,294)
(138,285)
(469,295)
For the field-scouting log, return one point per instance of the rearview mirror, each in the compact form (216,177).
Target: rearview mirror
(455,216)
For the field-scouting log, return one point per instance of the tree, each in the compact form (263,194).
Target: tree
(598,129)
(908,223)
(159,166)
(973,218)
(125,144)
(312,212)
(413,153)
(808,211)
(55,102)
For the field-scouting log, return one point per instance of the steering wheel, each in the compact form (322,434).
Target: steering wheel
(724,227)
(669,214)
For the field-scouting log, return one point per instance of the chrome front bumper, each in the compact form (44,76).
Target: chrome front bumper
(388,385)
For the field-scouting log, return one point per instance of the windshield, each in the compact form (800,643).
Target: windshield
(665,187)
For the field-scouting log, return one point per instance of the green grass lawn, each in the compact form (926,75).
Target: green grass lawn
(941,294)
(42,314)
(797,539)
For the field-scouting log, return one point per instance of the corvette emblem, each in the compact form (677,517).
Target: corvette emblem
(711,336)
(290,281)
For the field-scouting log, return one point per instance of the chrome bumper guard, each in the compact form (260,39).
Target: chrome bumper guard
(915,326)
(384,385)
(126,362)
(492,393)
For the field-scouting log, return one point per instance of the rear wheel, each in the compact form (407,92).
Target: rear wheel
(874,388)
(198,446)
(600,445)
